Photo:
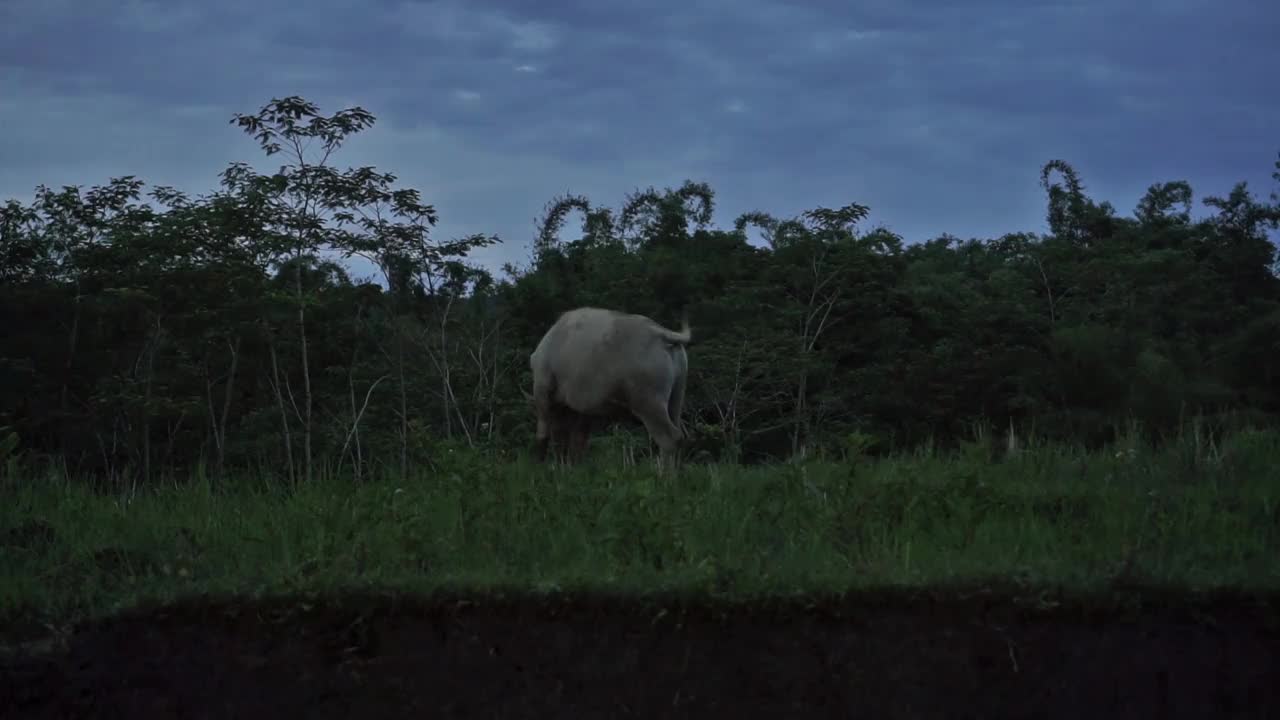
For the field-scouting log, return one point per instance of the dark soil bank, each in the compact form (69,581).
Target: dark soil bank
(936,655)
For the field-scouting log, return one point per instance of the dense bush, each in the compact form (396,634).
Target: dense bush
(147,334)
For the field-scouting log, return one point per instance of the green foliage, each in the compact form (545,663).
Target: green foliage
(9,456)
(149,333)
(1048,516)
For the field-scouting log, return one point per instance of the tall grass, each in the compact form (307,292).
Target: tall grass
(1191,514)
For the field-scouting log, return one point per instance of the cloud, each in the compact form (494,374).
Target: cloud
(938,116)
(153,16)
(458,23)
(63,139)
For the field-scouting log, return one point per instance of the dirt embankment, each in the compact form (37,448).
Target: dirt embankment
(923,655)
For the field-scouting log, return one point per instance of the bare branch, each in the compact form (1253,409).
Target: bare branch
(355,423)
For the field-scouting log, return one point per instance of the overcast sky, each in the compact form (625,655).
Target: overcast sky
(937,115)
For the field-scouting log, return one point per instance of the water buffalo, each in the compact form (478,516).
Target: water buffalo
(596,365)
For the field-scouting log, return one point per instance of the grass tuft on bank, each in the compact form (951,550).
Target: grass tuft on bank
(1046,517)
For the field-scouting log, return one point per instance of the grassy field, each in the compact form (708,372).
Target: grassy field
(1190,516)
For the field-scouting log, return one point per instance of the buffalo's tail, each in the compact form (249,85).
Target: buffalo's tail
(680,338)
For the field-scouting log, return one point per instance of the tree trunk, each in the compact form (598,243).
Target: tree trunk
(284,415)
(218,422)
(152,349)
(226,405)
(306,373)
(72,341)
(357,452)
(404,403)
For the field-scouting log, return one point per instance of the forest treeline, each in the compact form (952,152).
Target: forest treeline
(147,331)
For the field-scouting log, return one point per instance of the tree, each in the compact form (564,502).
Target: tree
(149,333)
(312,207)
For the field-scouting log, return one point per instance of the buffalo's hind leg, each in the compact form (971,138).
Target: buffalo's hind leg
(662,430)
(579,436)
